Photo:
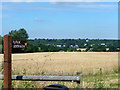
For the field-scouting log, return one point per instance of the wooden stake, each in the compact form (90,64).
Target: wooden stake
(7,62)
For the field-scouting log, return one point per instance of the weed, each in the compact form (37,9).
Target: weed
(100,84)
(27,84)
(24,71)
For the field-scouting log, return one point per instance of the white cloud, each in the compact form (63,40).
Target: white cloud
(87,5)
(64,6)
(36,19)
(94,5)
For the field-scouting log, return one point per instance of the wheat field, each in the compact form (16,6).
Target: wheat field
(64,63)
(67,63)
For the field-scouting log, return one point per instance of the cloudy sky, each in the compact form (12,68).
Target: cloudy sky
(62,19)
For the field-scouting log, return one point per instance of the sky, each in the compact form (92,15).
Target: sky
(62,20)
(59,0)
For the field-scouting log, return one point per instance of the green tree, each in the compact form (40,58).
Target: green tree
(43,48)
(21,34)
(71,49)
(31,48)
(1,44)
(1,39)
(99,48)
(112,49)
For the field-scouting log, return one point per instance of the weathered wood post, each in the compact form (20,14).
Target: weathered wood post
(7,62)
(80,81)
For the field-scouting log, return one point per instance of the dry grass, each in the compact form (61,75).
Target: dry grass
(91,64)
(64,63)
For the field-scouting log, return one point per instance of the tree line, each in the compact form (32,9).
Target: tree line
(56,45)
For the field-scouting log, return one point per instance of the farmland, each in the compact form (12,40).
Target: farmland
(97,67)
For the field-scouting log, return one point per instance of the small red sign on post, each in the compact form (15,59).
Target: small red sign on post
(19,44)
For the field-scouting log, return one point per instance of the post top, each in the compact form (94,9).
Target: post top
(7,35)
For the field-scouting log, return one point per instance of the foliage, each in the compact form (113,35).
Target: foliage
(99,48)
(0,48)
(31,48)
(112,49)
(27,84)
(21,34)
(1,42)
(100,84)
(50,45)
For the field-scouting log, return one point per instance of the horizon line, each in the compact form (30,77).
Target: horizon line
(75,38)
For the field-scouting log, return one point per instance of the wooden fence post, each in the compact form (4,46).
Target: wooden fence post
(80,82)
(7,62)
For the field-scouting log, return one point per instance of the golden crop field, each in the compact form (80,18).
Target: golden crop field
(68,63)
(65,63)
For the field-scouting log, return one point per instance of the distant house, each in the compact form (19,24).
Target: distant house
(58,45)
(78,49)
(61,51)
(87,40)
(91,49)
(76,46)
(85,44)
(47,44)
(64,45)
(81,49)
(71,45)
(107,49)
(102,43)
(91,45)
(118,49)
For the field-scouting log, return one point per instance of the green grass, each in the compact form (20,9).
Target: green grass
(98,80)
(101,81)
(89,81)
(0,48)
